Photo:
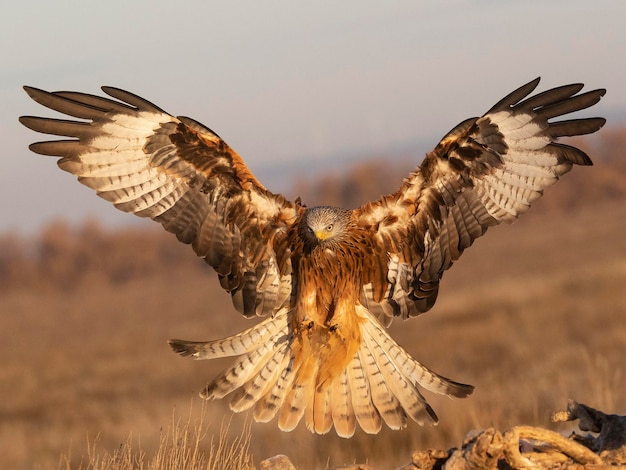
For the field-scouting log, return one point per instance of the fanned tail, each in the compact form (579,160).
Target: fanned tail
(379,384)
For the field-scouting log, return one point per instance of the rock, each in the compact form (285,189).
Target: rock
(278,462)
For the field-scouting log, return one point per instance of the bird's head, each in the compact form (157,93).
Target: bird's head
(324,224)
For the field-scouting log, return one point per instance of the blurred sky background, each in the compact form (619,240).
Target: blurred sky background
(291,85)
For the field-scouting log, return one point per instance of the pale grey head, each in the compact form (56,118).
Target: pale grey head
(324,224)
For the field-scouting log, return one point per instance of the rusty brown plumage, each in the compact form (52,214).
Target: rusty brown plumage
(328,280)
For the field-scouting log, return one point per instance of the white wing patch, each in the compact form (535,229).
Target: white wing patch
(129,131)
(117,166)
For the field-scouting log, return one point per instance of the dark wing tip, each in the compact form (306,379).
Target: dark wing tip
(596,123)
(181,347)
(594,96)
(35,93)
(132,99)
(30,89)
(460,390)
(27,121)
(38,148)
(515,96)
(55,148)
(41,148)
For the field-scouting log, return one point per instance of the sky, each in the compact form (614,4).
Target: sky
(292,86)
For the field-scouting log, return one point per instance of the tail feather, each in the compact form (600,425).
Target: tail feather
(249,393)
(297,400)
(241,343)
(319,418)
(412,369)
(383,398)
(242,371)
(267,407)
(365,412)
(411,400)
(341,405)
(249,366)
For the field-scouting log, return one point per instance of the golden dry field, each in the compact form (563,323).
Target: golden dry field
(533,314)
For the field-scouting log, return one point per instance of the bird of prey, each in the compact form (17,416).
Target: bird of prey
(327,280)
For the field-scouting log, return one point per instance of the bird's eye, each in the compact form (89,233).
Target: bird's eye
(329,227)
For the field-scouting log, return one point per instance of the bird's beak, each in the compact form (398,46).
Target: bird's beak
(321,235)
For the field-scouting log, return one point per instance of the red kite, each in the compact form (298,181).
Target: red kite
(328,280)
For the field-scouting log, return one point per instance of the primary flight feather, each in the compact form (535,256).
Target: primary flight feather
(328,279)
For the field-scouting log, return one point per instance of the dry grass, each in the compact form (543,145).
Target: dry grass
(532,315)
(180,447)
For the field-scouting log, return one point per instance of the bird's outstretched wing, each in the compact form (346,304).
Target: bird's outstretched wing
(485,171)
(182,175)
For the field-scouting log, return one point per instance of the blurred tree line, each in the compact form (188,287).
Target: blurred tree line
(63,256)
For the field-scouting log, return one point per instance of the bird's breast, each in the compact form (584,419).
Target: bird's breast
(326,277)
(326,328)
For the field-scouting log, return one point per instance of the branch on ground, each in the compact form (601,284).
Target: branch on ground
(523,447)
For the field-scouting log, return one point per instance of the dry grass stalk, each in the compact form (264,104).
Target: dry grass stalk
(180,448)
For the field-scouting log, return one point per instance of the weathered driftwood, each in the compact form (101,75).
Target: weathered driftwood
(526,447)
(519,447)
(610,444)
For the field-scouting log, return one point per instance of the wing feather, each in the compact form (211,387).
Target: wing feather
(485,171)
(181,174)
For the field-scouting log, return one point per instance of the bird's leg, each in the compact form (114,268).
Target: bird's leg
(331,322)
(304,325)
